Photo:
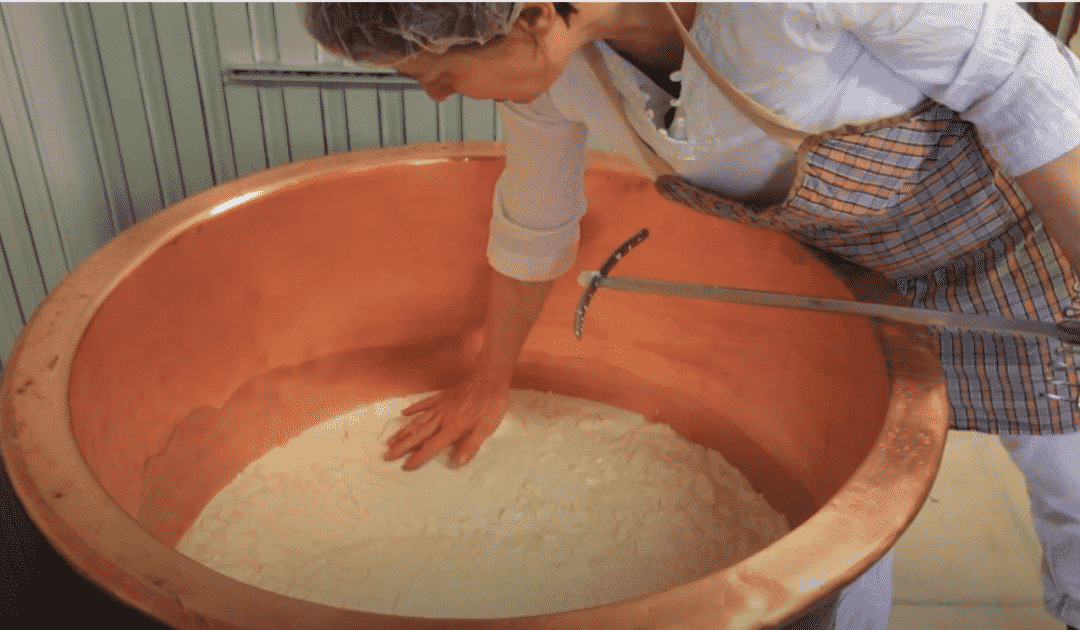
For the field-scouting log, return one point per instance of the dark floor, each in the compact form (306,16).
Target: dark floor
(38,588)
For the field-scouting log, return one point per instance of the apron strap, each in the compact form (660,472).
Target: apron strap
(768,121)
(775,126)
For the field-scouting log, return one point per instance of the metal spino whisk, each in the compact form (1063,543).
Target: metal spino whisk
(1067,331)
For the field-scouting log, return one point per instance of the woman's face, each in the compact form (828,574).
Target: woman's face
(520,67)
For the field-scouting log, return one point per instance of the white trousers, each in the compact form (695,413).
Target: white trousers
(1051,467)
(866,603)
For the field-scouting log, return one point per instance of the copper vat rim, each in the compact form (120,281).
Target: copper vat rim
(106,545)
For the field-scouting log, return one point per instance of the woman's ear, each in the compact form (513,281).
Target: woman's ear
(540,23)
(538,17)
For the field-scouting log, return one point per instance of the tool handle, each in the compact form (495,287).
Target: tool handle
(1068,331)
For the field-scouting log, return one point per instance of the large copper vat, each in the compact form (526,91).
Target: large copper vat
(223,326)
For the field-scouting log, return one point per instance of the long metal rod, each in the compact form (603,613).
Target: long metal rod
(1066,331)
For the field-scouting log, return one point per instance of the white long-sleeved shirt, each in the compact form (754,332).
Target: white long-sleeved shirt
(818,65)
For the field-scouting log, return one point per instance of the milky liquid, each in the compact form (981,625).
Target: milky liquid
(570,504)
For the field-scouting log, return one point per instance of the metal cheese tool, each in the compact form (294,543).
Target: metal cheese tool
(1068,331)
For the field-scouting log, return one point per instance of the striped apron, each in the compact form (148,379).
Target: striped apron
(916,197)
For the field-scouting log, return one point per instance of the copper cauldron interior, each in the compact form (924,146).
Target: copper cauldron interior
(326,292)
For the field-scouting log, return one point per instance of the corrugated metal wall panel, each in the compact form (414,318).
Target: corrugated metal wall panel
(295,46)
(264,45)
(364,127)
(233,32)
(111,111)
(118,212)
(391,116)
(234,41)
(478,120)
(20,262)
(216,116)
(274,130)
(271,100)
(116,51)
(189,132)
(53,154)
(151,76)
(26,285)
(248,143)
(304,123)
(335,120)
(421,116)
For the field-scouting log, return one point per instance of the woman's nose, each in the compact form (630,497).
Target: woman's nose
(438,93)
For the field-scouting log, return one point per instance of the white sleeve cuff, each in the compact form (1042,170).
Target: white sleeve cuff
(540,196)
(530,254)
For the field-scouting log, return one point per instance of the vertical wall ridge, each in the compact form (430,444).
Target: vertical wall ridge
(119,214)
(211,90)
(151,80)
(28,284)
(39,161)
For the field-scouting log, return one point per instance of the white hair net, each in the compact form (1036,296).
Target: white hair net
(394,29)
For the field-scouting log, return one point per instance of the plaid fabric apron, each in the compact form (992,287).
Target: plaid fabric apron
(917,198)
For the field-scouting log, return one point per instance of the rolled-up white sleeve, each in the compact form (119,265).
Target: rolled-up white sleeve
(540,197)
(992,63)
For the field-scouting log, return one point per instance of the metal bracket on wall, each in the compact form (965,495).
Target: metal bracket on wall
(264,75)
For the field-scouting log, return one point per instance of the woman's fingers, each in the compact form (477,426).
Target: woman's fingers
(432,447)
(468,447)
(410,437)
(422,405)
(462,417)
(403,432)
(411,428)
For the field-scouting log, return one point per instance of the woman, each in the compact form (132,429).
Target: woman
(929,197)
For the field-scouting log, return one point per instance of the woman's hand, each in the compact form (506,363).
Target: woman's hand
(465,415)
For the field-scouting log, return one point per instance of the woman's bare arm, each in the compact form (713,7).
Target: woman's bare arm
(1054,190)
